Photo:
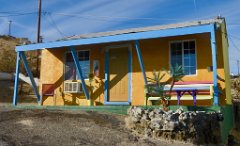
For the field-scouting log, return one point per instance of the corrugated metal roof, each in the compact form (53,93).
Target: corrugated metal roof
(149,28)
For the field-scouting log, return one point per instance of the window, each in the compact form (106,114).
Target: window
(70,69)
(184,53)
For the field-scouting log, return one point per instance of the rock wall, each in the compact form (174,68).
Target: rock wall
(198,127)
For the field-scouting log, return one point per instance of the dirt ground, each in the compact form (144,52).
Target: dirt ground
(67,127)
(25,93)
(40,127)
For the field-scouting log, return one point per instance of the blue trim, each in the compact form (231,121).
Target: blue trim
(79,70)
(214,63)
(106,77)
(22,55)
(141,61)
(15,93)
(116,103)
(120,37)
(129,75)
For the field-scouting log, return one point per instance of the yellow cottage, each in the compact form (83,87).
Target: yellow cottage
(120,62)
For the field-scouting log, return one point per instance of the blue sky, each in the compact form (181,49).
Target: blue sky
(63,18)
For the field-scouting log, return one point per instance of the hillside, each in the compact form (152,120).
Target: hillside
(9,42)
(8,65)
(8,54)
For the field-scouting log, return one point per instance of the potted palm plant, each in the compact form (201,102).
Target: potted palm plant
(157,86)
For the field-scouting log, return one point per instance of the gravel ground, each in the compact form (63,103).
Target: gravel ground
(72,127)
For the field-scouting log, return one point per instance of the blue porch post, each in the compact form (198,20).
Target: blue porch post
(129,75)
(214,63)
(106,77)
(22,55)
(141,61)
(79,71)
(15,94)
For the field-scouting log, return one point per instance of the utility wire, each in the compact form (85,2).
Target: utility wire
(88,16)
(233,43)
(122,18)
(91,18)
(52,22)
(18,14)
(234,36)
(231,35)
(111,17)
(16,11)
(13,13)
(96,18)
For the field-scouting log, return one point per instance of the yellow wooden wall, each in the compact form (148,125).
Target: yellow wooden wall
(52,69)
(155,53)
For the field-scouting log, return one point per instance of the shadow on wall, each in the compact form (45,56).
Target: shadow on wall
(71,99)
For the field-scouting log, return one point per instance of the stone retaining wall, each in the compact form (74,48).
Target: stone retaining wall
(198,127)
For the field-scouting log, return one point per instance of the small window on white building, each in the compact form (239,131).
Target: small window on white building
(184,53)
(70,68)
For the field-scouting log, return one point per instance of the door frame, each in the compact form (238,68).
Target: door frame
(106,70)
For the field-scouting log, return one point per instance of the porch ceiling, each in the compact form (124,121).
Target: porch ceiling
(131,36)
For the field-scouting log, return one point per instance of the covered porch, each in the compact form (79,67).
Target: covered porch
(116,41)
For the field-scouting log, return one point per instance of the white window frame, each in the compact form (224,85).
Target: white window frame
(182,42)
(64,59)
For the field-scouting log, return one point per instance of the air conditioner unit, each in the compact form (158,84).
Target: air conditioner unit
(72,87)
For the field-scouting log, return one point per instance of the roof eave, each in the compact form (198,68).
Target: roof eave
(121,37)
